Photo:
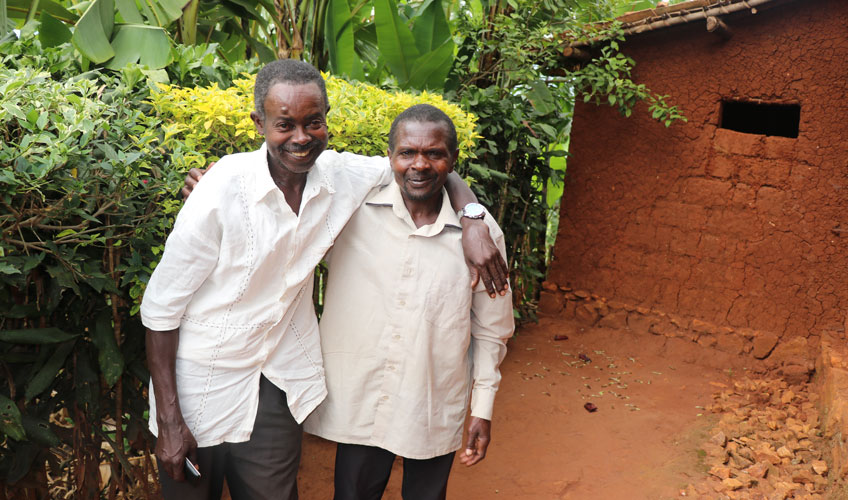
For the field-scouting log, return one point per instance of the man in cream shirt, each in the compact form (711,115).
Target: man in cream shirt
(404,340)
(232,340)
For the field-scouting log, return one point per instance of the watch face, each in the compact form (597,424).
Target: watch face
(473,210)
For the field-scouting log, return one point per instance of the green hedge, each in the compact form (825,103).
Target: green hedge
(211,121)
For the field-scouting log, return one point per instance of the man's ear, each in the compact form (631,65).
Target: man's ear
(455,159)
(258,122)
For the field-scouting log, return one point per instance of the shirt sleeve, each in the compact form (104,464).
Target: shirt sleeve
(191,253)
(375,170)
(492,324)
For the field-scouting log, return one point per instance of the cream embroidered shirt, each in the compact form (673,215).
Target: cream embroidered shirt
(405,340)
(236,278)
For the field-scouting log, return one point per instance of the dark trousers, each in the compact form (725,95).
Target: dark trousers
(264,467)
(362,473)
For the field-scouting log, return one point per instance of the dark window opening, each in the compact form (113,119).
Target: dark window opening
(762,119)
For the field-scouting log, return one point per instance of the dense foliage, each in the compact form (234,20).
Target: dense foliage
(211,122)
(87,196)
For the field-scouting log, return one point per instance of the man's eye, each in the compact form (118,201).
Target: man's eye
(284,126)
(406,153)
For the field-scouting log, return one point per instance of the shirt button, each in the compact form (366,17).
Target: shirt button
(384,398)
(402,302)
(392,367)
(407,272)
(396,337)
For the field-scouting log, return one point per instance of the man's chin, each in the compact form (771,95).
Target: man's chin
(295,164)
(419,195)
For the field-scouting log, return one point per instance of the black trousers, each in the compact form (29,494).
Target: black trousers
(262,468)
(362,473)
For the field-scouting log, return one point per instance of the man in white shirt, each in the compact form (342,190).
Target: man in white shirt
(232,340)
(404,346)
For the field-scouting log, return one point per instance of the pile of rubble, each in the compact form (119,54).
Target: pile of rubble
(767,444)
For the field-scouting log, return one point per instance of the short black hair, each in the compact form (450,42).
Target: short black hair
(285,71)
(424,113)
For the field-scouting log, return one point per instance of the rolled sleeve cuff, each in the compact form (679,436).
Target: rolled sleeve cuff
(159,324)
(482,403)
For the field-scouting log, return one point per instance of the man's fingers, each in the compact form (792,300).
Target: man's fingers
(175,469)
(471,443)
(185,192)
(195,174)
(503,271)
(487,280)
(475,277)
(498,280)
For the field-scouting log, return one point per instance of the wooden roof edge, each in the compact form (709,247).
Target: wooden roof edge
(663,17)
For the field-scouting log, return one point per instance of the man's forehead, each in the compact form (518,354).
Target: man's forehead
(287,97)
(434,130)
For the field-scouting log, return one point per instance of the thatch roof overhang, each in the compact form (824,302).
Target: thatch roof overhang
(577,52)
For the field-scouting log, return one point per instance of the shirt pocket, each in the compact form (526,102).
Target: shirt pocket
(448,304)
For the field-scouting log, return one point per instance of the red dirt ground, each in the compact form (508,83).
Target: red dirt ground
(641,443)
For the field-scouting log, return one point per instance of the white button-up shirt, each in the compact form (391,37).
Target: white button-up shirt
(403,335)
(236,279)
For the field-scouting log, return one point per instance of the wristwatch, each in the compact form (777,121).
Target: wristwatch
(473,211)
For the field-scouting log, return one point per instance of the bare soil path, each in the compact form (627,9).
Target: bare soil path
(641,443)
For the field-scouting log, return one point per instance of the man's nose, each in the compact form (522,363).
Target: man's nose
(419,162)
(300,136)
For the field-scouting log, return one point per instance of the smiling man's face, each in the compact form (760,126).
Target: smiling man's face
(421,160)
(295,125)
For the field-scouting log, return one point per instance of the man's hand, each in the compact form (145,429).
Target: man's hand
(479,435)
(483,258)
(174,444)
(192,178)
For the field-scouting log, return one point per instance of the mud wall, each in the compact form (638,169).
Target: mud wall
(743,233)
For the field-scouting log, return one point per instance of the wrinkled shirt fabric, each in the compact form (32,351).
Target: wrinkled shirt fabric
(236,278)
(405,339)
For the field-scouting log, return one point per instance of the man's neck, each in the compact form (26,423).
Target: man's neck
(423,212)
(290,183)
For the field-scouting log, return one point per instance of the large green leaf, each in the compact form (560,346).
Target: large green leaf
(250,7)
(431,29)
(541,98)
(129,11)
(431,69)
(17,9)
(39,431)
(52,32)
(188,23)
(41,380)
(94,29)
(10,419)
(146,45)
(161,12)
(173,9)
(4,18)
(395,40)
(109,356)
(338,31)
(35,336)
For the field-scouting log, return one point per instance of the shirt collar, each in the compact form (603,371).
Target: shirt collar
(316,179)
(390,196)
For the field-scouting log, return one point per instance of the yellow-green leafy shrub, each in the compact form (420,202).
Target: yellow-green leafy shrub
(210,122)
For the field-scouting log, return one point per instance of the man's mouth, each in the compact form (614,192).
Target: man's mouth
(299,151)
(419,181)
